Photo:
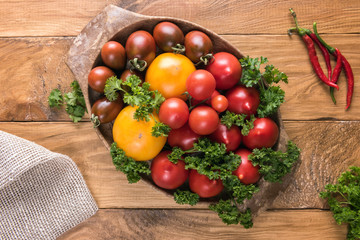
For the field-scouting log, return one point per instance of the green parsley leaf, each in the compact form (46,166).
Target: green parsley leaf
(131,168)
(55,98)
(344,201)
(251,74)
(160,129)
(75,102)
(239,191)
(273,75)
(175,155)
(270,99)
(240,120)
(186,197)
(112,86)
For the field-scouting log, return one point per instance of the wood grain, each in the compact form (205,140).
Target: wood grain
(67,18)
(201,224)
(328,148)
(32,67)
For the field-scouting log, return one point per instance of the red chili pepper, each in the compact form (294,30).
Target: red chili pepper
(338,67)
(324,52)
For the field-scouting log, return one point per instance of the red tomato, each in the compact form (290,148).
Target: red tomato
(243,100)
(113,55)
(203,120)
(230,137)
(105,110)
(98,76)
(183,137)
(226,70)
(141,45)
(166,174)
(197,44)
(167,35)
(203,186)
(174,112)
(219,103)
(200,84)
(264,134)
(246,172)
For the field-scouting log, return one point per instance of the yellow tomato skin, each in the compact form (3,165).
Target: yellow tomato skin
(168,73)
(134,137)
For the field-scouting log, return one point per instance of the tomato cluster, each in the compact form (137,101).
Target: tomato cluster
(199,86)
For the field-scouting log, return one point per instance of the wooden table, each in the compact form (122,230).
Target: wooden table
(35,37)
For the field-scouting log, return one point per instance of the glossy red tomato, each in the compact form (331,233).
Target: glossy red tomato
(203,186)
(167,35)
(219,103)
(264,134)
(226,70)
(141,45)
(197,44)
(105,110)
(174,112)
(98,76)
(113,55)
(230,137)
(243,100)
(200,84)
(246,172)
(166,174)
(203,120)
(183,137)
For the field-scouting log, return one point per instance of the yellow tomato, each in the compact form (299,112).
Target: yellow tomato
(134,137)
(168,73)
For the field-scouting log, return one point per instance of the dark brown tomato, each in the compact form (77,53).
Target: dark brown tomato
(113,55)
(141,45)
(98,76)
(167,35)
(126,73)
(197,44)
(105,110)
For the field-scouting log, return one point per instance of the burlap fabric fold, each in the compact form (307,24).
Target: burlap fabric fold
(42,193)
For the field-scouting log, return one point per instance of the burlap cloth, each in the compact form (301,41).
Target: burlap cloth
(42,193)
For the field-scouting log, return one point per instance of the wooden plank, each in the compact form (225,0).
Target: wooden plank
(64,18)
(32,67)
(328,148)
(201,224)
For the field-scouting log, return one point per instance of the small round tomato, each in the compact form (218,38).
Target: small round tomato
(174,112)
(246,172)
(243,100)
(167,35)
(226,70)
(98,76)
(183,137)
(203,120)
(141,45)
(264,134)
(219,103)
(134,136)
(113,55)
(200,84)
(166,174)
(231,137)
(126,73)
(105,110)
(168,73)
(203,186)
(197,44)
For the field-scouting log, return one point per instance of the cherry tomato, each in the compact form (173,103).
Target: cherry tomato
(168,74)
(230,137)
(203,186)
(219,103)
(105,110)
(226,70)
(113,55)
(243,100)
(126,73)
(98,76)
(264,134)
(183,137)
(166,174)
(174,112)
(141,45)
(200,84)
(203,120)
(167,35)
(197,44)
(246,172)
(134,136)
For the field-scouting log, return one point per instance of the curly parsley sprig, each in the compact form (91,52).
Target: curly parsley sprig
(229,119)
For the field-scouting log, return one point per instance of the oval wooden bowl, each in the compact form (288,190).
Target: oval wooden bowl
(115,23)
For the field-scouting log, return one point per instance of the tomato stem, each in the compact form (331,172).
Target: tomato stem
(138,64)
(95,120)
(178,48)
